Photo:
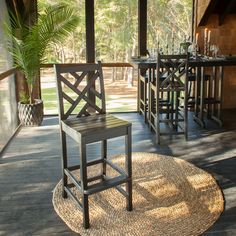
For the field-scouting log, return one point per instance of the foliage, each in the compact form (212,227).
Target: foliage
(116,28)
(53,25)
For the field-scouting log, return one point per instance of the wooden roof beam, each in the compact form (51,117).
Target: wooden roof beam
(208,12)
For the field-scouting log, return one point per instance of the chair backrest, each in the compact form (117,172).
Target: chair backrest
(173,68)
(80,89)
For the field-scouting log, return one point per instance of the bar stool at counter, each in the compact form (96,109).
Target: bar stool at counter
(165,107)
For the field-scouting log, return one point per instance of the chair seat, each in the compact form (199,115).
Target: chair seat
(95,127)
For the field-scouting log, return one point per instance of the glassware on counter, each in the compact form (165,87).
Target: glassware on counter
(214,50)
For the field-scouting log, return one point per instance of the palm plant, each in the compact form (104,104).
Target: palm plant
(29,44)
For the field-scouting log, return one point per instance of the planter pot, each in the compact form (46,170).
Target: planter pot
(31,114)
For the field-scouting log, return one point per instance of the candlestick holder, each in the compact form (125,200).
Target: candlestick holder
(206,47)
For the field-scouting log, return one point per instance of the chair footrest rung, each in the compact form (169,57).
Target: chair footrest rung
(91,179)
(90,163)
(170,121)
(73,179)
(172,133)
(70,193)
(118,188)
(115,167)
(106,184)
(94,178)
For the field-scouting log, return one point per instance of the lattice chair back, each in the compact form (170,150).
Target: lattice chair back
(173,68)
(80,89)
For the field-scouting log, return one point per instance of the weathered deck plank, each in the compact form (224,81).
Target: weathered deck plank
(30,169)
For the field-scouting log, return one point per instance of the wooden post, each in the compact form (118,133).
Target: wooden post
(142,27)
(193,21)
(90,36)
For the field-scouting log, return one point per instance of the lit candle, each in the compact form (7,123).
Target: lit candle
(196,39)
(205,33)
(209,36)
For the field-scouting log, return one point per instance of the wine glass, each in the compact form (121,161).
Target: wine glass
(214,49)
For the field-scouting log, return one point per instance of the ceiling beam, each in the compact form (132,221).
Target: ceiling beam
(208,12)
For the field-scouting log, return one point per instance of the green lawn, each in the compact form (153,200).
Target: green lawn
(114,102)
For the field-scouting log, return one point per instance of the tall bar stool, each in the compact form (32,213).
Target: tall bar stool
(208,95)
(145,75)
(165,108)
(89,124)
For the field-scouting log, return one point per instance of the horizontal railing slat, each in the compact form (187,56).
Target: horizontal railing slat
(12,71)
(110,64)
(7,73)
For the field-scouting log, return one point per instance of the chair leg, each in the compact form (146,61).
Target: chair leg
(84,184)
(177,110)
(104,156)
(128,165)
(157,120)
(85,211)
(186,121)
(64,164)
(186,111)
(168,107)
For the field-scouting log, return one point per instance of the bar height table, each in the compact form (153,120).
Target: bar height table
(214,102)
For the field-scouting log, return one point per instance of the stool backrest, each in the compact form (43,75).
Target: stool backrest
(80,89)
(174,69)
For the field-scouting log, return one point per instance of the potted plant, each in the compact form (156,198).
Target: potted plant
(28,47)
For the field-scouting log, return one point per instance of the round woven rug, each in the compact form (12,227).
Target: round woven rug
(170,197)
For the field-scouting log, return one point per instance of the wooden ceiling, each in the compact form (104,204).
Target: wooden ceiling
(220,7)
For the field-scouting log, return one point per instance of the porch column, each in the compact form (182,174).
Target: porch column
(142,27)
(90,36)
(90,39)
(193,21)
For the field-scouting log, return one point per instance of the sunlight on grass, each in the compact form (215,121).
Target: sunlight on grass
(119,97)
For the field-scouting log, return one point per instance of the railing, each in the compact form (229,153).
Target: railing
(8,107)
(7,73)
(120,88)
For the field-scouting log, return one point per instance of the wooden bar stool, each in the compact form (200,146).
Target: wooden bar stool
(170,81)
(208,99)
(83,117)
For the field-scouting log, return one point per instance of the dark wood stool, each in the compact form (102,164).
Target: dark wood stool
(90,124)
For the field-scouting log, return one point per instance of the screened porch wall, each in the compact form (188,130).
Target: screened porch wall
(8,105)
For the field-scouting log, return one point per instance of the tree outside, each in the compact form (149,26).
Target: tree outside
(116,28)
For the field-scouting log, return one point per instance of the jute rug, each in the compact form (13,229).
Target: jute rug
(170,197)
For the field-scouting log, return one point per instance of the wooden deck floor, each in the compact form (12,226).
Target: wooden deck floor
(30,169)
